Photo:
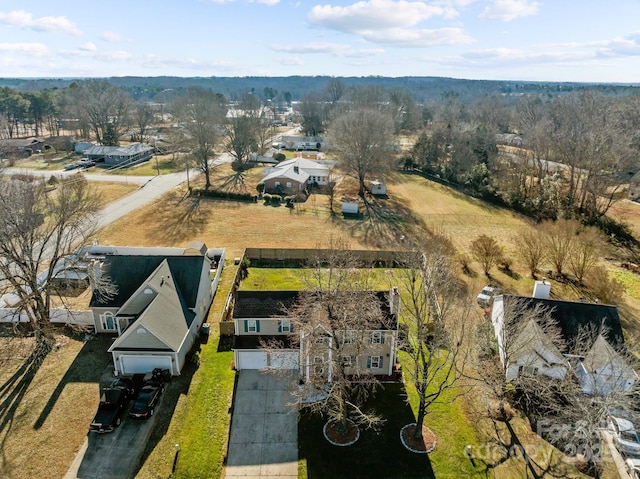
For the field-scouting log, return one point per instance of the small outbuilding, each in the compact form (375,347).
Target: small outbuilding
(378,187)
(350,205)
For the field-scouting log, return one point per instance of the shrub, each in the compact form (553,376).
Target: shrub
(227,195)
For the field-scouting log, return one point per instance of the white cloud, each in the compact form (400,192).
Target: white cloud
(22,19)
(375,14)
(335,49)
(507,10)
(32,49)
(417,38)
(113,37)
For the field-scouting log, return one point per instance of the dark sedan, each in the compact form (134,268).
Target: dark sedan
(146,401)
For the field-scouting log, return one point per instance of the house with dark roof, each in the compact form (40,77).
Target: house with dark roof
(161,299)
(21,146)
(264,316)
(530,350)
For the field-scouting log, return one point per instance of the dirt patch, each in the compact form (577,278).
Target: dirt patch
(422,445)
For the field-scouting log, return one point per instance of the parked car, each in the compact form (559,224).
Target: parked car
(486,295)
(633,468)
(70,166)
(146,400)
(624,434)
(86,163)
(125,383)
(113,401)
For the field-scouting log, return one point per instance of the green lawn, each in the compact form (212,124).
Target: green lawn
(286,279)
(376,454)
(453,432)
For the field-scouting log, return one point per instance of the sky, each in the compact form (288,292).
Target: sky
(535,40)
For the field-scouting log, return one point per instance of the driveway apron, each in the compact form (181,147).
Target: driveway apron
(264,428)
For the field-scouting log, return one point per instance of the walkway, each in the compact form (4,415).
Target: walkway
(264,429)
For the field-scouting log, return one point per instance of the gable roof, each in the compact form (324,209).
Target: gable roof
(118,150)
(302,163)
(289,173)
(573,317)
(532,340)
(161,312)
(129,272)
(602,354)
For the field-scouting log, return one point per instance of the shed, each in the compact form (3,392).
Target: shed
(378,187)
(350,205)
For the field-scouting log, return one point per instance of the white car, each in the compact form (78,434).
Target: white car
(633,468)
(625,436)
(485,298)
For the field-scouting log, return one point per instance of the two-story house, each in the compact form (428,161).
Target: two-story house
(264,317)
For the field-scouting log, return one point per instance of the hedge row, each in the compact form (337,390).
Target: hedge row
(227,195)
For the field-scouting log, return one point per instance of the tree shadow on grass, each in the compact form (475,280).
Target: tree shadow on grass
(375,454)
(178,217)
(386,223)
(13,391)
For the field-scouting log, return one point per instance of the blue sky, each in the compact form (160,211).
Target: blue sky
(547,40)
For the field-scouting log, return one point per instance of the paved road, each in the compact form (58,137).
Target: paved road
(151,187)
(264,429)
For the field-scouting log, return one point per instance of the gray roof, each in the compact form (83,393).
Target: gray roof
(572,317)
(129,272)
(274,304)
(118,150)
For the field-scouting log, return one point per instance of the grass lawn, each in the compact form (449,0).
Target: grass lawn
(45,413)
(200,420)
(376,454)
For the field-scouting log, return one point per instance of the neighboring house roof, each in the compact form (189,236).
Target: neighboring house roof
(118,150)
(263,304)
(290,172)
(532,340)
(161,311)
(602,354)
(21,142)
(129,272)
(274,304)
(635,178)
(573,317)
(302,163)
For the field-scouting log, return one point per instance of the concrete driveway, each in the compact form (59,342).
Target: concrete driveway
(114,455)
(264,429)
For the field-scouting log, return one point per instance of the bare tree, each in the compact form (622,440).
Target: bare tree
(560,238)
(436,312)
(363,138)
(39,230)
(486,251)
(143,118)
(336,317)
(103,106)
(532,249)
(202,114)
(241,138)
(586,251)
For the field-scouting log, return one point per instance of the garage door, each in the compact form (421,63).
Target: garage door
(144,364)
(284,359)
(251,360)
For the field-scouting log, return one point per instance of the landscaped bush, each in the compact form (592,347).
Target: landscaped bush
(227,195)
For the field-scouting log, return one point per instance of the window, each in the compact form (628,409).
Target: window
(376,338)
(277,184)
(107,321)
(284,326)
(374,362)
(318,365)
(252,326)
(349,337)
(528,370)
(347,361)
(288,184)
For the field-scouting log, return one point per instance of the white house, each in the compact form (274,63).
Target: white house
(317,172)
(162,299)
(604,370)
